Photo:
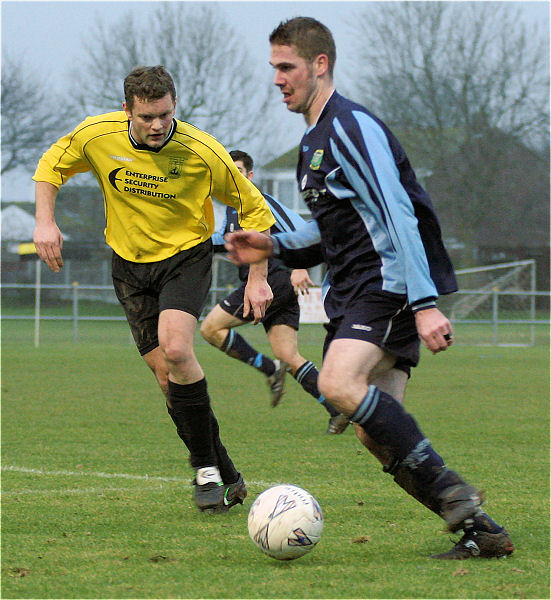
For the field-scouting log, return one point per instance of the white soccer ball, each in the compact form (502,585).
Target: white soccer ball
(285,522)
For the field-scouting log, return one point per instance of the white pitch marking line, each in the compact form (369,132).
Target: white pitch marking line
(93,474)
(101,475)
(72,491)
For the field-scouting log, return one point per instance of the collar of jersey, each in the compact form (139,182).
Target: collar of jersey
(145,146)
(322,112)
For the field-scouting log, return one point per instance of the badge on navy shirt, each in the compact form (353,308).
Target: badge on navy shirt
(316,160)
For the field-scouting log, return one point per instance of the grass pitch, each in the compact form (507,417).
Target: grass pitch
(96,498)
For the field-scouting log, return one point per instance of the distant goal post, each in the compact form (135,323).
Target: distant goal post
(495,305)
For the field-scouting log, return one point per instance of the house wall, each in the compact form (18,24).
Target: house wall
(282,185)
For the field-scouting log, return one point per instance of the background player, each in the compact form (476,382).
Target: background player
(156,174)
(281,321)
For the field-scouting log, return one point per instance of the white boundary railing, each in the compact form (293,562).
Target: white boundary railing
(74,290)
(312,315)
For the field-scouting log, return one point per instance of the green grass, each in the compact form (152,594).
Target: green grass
(97,499)
(85,329)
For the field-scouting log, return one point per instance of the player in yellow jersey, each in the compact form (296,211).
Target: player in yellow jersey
(157,175)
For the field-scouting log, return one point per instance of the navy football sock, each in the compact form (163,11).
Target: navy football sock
(333,412)
(191,413)
(386,422)
(307,376)
(482,522)
(237,347)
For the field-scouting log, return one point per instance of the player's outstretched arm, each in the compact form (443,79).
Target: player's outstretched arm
(248,247)
(47,236)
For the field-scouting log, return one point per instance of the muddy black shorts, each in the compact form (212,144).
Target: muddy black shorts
(284,309)
(180,282)
(383,319)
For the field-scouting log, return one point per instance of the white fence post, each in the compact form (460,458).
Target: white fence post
(37,302)
(75,311)
(533,302)
(495,314)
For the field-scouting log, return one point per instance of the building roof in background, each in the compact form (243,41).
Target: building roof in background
(17,224)
(17,186)
(284,162)
(288,160)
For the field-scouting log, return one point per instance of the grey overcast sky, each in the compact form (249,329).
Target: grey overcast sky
(48,34)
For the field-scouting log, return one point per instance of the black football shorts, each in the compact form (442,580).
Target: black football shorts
(284,309)
(180,282)
(384,319)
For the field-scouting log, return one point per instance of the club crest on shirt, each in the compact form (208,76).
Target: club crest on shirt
(175,164)
(316,160)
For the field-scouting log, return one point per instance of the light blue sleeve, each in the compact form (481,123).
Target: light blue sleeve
(389,215)
(217,237)
(306,236)
(286,218)
(299,249)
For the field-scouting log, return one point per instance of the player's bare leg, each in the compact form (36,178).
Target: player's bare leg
(284,342)
(189,406)
(218,329)
(347,368)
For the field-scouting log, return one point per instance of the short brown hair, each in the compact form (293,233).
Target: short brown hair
(148,83)
(245,158)
(310,37)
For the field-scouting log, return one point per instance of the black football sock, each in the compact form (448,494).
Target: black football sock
(191,413)
(227,469)
(228,472)
(237,347)
(307,376)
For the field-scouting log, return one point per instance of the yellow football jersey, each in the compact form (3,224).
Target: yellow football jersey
(157,200)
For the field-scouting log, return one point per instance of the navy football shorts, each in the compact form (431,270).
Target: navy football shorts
(384,319)
(180,282)
(284,309)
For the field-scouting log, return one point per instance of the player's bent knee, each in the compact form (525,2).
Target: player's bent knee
(213,335)
(207,330)
(213,331)
(177,354)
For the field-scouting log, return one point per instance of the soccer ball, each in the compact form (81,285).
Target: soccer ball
(285,522)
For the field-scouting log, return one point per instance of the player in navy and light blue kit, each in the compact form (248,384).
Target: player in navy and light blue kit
(376,229)
(281,321)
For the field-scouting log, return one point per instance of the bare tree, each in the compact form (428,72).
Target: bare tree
(31,116)
(444,66)
(217,84)
(466,87)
